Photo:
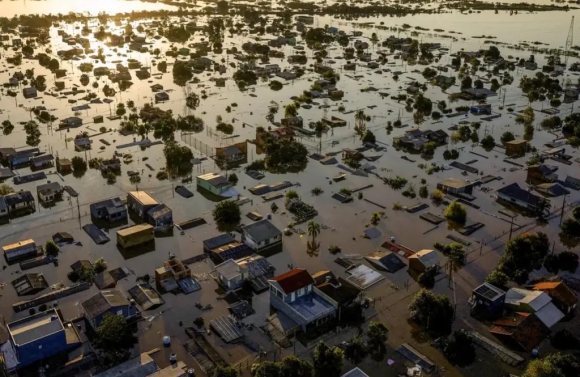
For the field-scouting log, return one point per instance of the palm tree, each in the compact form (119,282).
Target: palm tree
(313,229)
(320,129)
(455,260)
(360,119)
(543,209)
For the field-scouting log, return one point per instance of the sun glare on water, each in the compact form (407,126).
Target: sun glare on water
(20,7)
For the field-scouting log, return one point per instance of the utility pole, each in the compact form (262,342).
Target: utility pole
(563,206)
(511,227)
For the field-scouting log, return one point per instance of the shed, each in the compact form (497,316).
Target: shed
(424,259)
(135,235)
(386,260)
(110,301)
(146,296)
(29,284)
(20,250)
(488,301)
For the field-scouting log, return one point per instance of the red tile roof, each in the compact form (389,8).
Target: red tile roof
(525,329)
(293,280)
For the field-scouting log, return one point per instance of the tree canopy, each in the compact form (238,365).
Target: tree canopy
(523,254)
(178,158)
(285,156)
(456,212)
(431,311)
(114,339)
(227,213)
(328,361)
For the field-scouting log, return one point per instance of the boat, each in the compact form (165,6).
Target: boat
(339,177)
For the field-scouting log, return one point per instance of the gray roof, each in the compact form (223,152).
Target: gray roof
(140,366)
(35,327)
(261,230)
(232,150)
(19,197)
(103,301)
(52,186)
(109,203)
(228,269)
(221,240)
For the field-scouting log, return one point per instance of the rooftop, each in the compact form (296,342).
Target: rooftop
(228,269)
(261,230)
(103,301)
(134,229)
(311,306)
(143,198)
(515,191)
(214,179)
(525,329)
(429,258)
(221,240)
(455,183)
(489,291)
(293,280)
(18,244)
(534,299)
(35,327)
(140,366)
(558,291)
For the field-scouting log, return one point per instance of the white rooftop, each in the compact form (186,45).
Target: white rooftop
(534,299)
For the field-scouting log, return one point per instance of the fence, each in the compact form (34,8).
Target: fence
(199,145)
(23,305)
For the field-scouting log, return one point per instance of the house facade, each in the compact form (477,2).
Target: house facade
(20,201)
(293,294)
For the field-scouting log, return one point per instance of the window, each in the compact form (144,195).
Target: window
(301,292)
(120,312)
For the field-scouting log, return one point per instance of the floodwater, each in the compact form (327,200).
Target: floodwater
(23,7)
(344,223)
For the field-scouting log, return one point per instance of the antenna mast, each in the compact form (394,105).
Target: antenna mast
(569,41)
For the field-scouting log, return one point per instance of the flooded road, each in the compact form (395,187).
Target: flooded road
(24,7)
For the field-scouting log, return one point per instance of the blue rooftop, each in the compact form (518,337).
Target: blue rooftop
(311,306)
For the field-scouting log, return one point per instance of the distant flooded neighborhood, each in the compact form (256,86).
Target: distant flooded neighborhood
(296,189)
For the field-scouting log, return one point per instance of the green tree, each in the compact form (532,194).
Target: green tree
(542,368)
(290,194)
(51,248)
(227,213)
(114,339)
(225,372)
(459,349)
(356,350)
(523,254)
(360,127)
(7,127)
(369,137)
(568,261)
(507,137)
(291,366)
(313,229)
(377,334)
(432,312)
(455,260)
(551,264)
(267,369)
(328,361)
(498,279)
(488,142)
(78,164)
(178,158)
(5,189)
(100,265)
(291,110)
(375,218)
(456,212)
(568,364)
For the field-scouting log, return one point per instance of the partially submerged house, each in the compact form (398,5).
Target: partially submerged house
(541,174)
(293,294)
(515,148)
(522,198)
(110,210)
(423,260)
(563,297)
(455,186)
(49,192)
(232,154)
(232,274)
(262,236)
(41,336)
(537,302)
(488,301)
(108,302)
(20,201)
(216,184)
